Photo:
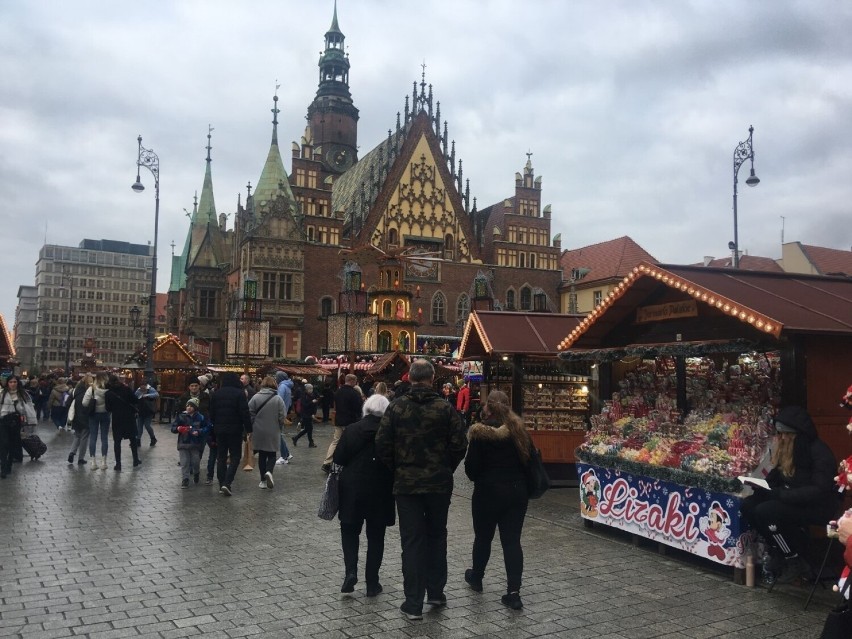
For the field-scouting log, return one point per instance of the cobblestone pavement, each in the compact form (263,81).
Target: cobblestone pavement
(103,554)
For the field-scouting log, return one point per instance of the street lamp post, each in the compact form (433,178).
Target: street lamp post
(743,152)
(150,161)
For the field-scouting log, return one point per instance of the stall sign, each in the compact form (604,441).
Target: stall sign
(472,371)
(703,523)
(672,310)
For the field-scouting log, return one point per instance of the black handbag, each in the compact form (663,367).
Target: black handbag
(838,624)
(537,480)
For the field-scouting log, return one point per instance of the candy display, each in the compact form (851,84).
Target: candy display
(725,434)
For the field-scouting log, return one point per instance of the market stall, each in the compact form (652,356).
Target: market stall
(692,363)
(173,365)
(518,355)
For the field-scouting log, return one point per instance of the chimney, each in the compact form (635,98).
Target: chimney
(708,259)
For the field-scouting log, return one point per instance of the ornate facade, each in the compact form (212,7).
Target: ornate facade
(401,217)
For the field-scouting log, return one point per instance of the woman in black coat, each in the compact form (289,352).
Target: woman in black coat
(497,459)
(365,489)
(121,403)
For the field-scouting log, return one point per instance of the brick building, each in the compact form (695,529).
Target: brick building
(389,248)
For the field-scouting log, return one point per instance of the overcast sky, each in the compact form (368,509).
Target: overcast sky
(632,111)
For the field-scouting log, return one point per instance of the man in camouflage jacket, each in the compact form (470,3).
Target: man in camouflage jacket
(421,438)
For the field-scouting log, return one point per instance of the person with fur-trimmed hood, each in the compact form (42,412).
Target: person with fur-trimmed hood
(498,455)
(801,493)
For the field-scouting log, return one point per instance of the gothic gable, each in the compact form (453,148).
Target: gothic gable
(419,204)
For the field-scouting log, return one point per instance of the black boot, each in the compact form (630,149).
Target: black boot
(349,582)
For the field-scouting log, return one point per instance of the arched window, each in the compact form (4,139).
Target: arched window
(393,237)
(400,309)
(387,309)
(310,234)
(526,298)
(384,341)
(368,341)
(326,307)
(532,260)
(462,308)
(522,257)
(439,308)
(510,300)
(448,246)
(402,342)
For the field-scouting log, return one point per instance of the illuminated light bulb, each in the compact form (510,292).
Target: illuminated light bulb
(742,315)
(751,319)
(727,307)
(704,297)
(691,291)
(759,323)
(768,328)
(718,303)
(735,311)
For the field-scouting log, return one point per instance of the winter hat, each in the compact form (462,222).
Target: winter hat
(280,376)
(193,401)
(205,379)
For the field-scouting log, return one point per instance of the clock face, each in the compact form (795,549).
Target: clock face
(339,157)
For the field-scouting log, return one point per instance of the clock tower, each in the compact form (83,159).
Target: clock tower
(332,117)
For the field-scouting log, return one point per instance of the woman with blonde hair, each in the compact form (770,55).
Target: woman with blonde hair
(498,455)
(94,401)
(801,493)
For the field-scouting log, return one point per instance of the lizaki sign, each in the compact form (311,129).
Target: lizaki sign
(703,523)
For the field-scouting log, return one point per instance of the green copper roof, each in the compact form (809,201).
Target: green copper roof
(334,28)
(273,179)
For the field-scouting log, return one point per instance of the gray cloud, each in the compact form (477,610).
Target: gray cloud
(632,111)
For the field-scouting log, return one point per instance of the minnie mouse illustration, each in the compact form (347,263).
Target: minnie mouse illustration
(715,528)
(590,493)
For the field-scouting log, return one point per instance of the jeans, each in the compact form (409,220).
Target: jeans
(423,534)
(349,538)
(211,460)
(228,445)
(190,460)
(307,425)
(80,444)
(59,416)
(265,462)
(99,423)
(285,452)
(500,506)
(144,423)
(116,447)
(10,447)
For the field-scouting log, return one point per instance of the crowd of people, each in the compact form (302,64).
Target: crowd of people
(396,448)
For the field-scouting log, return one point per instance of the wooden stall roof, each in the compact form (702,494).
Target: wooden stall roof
(302,370)
(772,304)
(169,352)
(370,367)
(489,332)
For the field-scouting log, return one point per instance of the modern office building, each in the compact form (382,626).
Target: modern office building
(85,292)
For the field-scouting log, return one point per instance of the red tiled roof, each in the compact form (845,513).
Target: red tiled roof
(774,304)
(488,332)
(829,261)
(606,260)
(747,263)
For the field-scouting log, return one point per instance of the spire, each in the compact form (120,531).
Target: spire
(275,112)
(334,63)
(207,204)
(273,178)
(334,27)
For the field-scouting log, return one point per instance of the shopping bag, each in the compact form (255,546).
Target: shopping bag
(838,624)
(330,501)
(537,480)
